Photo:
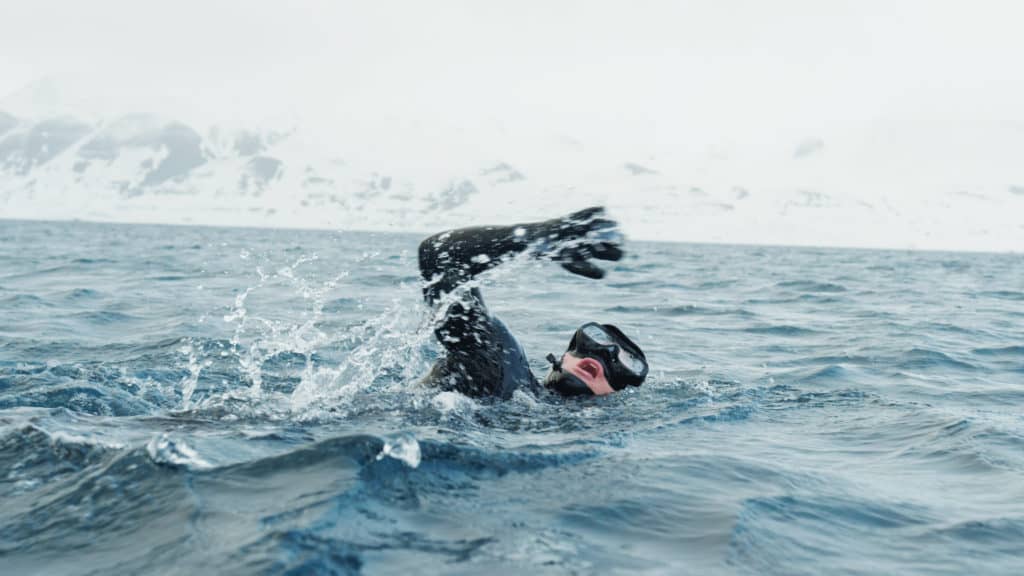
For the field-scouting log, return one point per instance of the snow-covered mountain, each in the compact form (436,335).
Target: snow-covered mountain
(146,168)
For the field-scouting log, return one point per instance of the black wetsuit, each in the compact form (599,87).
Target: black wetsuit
(483,358)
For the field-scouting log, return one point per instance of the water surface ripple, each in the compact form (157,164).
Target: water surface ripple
(180,400)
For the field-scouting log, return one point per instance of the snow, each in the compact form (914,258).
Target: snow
(863,190)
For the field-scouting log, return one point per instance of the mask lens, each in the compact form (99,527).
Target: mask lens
(632,363)
(627,359)
(598,335)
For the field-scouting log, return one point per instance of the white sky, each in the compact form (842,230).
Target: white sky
(733,67)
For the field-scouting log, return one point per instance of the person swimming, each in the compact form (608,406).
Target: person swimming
(482,357)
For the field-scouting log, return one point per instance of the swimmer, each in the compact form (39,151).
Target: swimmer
(482,357)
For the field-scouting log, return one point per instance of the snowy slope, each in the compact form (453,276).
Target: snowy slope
(145,168)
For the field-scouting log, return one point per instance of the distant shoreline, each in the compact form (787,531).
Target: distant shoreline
(419,233)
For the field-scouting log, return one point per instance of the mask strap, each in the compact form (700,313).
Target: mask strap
(555,362)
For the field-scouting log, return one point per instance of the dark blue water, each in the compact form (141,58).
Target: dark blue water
(195,400)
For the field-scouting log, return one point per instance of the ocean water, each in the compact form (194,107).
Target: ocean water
(180,400)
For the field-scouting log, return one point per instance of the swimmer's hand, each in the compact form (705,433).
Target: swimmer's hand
(576,239)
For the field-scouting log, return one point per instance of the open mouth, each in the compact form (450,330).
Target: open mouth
(589,368)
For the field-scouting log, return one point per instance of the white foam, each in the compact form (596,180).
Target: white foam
(165,450)
(403,448)
(449,403)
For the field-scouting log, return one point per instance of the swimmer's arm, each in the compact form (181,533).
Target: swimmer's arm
(454,257)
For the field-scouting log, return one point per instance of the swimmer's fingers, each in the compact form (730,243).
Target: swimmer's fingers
(588,249)
(601,226)
(585,216)
(576,259)
(603,240)
(606,251)
(582,223)
(584,268)
(581,236)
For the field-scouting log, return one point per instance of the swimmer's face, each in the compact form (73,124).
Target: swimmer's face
(597,354)
(589,371)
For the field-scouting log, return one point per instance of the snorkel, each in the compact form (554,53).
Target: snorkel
(563,382)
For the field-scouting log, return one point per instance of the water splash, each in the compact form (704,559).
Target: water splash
(165,450)
(195,367)
(385,351)
(403,448)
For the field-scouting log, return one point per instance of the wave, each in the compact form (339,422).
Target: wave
(811,286)
(682,310)
(923,358)
(340,305)
(90,389)
(946,327)
(105,317)
(1003,294)
(117,497)
(781,330)
(1002,352)
(785,397)
(830,374)
(857,424)
(33,457)
(714,284)
(78,294)
(25,300)
(718,412)
(1003,535)
(775,534)
(853,359)
(812,298)
(93,261)
(837,511)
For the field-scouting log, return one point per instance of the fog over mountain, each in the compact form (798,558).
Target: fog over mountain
(892,125)
(147,168)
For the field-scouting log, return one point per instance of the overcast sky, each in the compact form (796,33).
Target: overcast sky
(732,67)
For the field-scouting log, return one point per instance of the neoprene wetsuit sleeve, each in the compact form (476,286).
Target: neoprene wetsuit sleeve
(450,259)
(454,257)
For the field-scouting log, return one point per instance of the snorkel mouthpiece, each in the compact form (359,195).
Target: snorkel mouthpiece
(565,383)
